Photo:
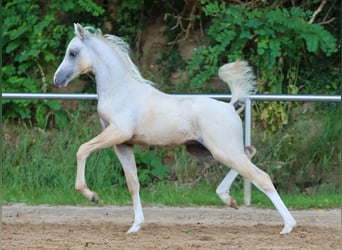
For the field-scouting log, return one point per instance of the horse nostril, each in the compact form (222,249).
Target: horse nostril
(57,81)
(61,78)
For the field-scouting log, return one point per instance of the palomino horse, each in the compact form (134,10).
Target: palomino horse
(132,112)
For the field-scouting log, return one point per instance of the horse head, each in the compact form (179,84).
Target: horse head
(76,60)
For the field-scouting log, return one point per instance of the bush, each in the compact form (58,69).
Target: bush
(38,158)
(277,42)
(306,157)
(289,56)
(34,36)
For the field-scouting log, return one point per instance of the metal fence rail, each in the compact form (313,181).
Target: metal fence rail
(73,96)
(49,96)
(248,110)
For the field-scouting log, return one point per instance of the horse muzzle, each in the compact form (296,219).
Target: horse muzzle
(61,79)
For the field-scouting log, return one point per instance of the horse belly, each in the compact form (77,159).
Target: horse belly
(165,132)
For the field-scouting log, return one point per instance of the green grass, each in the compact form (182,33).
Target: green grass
(202,194)
(39,167)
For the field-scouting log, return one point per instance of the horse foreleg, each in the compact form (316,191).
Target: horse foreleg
(107,138)
(125,154)
(223,189)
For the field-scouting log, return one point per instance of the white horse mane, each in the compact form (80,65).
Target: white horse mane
(122,48)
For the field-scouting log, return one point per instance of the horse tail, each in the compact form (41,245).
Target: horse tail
(240,79)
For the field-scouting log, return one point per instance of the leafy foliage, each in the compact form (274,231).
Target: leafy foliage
(33,38)
(128,19)
(304,158)
(273,38)
(276,41)
(39,158)
(289,55)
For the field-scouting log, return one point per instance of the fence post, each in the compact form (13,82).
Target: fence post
(247,187)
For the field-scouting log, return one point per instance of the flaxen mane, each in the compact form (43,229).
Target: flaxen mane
(122,48)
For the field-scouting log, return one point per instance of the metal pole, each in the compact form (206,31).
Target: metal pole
(247,187)
(61,96)
(297,98)
(49,96)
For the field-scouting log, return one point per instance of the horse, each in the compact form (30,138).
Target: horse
(132,111)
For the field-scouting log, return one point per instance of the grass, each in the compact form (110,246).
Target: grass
(39,167)
(202,194)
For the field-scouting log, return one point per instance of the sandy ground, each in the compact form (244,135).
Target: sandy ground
(68,227)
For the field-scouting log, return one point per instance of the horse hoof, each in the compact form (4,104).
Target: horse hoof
(234,204)
(288,227)
(95,199)
(134,229)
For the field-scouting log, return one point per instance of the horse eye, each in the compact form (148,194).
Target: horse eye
(73,53)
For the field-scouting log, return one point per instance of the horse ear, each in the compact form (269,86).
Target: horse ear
(79,31)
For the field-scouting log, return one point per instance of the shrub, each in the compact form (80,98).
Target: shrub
(305,158)
(276,41)
(33,38)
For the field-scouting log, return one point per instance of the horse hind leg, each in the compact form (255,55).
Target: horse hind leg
(242,165)
(223,188)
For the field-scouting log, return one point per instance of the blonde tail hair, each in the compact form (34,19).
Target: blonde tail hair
(240,79)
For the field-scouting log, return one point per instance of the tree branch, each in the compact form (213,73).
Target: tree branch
(329,21)
(317,11)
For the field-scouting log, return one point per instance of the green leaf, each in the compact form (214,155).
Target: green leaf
(54,105)
(161,172)
(246,34)
(253,23)
(41,116)
(61,119)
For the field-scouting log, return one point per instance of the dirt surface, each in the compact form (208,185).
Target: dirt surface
(67,227)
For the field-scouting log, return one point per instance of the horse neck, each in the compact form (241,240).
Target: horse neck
(112,76)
